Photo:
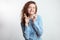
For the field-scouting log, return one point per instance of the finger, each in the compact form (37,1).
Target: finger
(35,16)
(25,16)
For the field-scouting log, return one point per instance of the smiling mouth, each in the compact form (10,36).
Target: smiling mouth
(31,11)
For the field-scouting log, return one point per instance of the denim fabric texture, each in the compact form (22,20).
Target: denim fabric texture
(34,30)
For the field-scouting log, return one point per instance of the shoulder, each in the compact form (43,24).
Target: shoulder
(39,17)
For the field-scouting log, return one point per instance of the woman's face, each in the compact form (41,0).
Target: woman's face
(31,9)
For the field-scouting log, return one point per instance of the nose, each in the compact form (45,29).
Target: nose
(31,9)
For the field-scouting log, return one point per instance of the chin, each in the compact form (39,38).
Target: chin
(32,13)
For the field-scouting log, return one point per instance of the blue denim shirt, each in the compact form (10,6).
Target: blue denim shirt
(34,30)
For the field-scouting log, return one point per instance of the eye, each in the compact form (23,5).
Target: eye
(29,7)
(33,7)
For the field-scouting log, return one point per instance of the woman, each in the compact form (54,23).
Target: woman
(31,23)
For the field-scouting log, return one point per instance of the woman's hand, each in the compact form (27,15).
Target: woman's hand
(34,17)
(26,20)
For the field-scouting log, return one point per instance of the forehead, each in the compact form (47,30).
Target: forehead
(32,5)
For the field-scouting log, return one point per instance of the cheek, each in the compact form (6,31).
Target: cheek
(29,10)
(34,10)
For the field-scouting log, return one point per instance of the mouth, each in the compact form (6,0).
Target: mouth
(31,11)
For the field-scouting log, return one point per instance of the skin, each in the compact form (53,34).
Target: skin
(31,11)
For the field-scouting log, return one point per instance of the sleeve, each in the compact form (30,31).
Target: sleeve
(38,26)
(25,30)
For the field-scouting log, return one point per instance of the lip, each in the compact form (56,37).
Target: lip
(31,11)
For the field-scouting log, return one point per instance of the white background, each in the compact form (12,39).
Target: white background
(10,10)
